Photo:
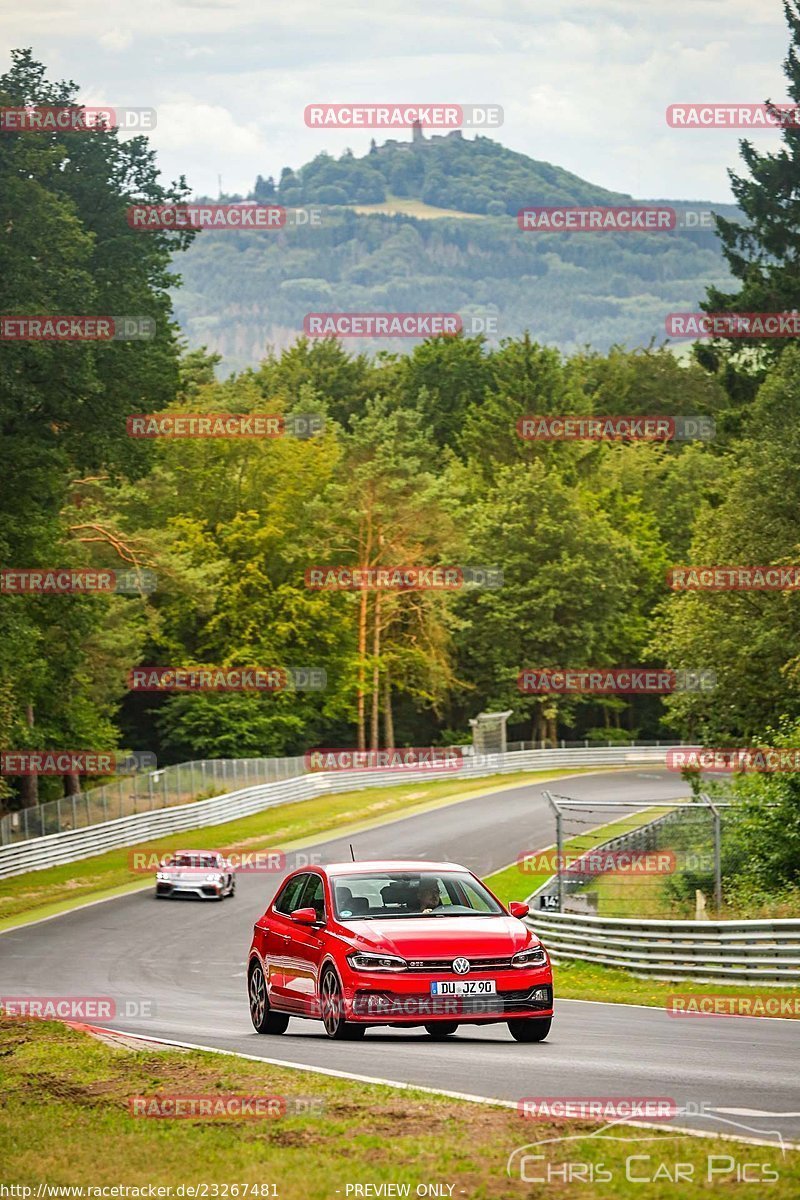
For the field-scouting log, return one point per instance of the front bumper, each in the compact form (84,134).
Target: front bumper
(184,887)
(387,999)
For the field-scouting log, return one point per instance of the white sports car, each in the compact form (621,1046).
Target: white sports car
(203,873)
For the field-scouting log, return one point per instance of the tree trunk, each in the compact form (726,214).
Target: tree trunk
(29,784)
(72,785)
(388,716)
(375,735)
(362,653)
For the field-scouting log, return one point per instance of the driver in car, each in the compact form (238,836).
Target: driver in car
(428,896)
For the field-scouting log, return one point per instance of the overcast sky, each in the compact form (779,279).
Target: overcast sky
(584,83)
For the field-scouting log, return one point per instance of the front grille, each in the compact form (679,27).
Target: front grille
(476,965)
(394,1004)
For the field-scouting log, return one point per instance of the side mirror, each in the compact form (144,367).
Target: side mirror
(518,909)
(305,916)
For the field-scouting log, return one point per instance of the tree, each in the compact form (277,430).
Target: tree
(764,252)
(572,594)
(67,249)
(748,638)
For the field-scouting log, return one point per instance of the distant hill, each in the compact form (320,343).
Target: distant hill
(444,170)
(245,291)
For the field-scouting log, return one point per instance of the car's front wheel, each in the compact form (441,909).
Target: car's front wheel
(263,1018)
(439,1030)
(332,1004)
(530,1029)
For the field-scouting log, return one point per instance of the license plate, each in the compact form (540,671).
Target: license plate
(464,987)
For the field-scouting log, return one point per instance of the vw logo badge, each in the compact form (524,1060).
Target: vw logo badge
(461,966)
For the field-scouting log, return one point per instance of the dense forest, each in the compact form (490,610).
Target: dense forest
(244,291)
(417,461)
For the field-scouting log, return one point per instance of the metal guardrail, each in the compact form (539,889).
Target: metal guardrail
(179,783)
(763,951)
(71,845)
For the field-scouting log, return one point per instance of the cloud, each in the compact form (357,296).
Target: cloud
(584,83)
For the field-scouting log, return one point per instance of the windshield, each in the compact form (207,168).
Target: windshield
(193,860)
(375,895)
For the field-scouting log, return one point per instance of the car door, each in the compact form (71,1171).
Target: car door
(279,930)
(306,949)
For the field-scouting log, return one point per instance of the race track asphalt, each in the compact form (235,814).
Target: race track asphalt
(176,970)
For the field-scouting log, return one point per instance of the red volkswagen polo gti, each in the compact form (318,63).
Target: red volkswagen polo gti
(397,943)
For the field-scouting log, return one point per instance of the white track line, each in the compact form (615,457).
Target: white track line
(417,1087)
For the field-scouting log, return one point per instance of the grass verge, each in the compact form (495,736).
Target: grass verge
(42,893)
(67,1122)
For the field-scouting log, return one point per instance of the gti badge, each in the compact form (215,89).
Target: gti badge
(461,966)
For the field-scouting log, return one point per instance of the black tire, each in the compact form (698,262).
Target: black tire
(263,1018)
(332,1005)
(439,1030)
(530,1029)
(232,888)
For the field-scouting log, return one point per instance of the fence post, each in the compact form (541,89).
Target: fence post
(559,848)
(717,851)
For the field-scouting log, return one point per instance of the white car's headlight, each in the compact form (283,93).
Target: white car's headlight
(213,878)
(534,956)
(376,962)
(162,877)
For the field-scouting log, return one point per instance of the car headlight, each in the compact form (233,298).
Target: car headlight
(534,956)
(162,877)
(213,878)
(376,962)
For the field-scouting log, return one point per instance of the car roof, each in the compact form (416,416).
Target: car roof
(385,865)
(194,852)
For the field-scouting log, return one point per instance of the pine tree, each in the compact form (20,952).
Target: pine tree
(763,252)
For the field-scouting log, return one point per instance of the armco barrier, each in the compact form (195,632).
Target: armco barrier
(766,952)
(74,844)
